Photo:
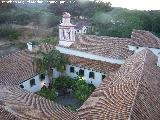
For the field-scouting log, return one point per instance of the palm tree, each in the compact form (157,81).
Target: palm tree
(45,62)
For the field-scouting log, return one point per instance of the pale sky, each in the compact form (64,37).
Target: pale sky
(136,4)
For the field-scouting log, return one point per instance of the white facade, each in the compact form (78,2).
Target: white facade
(56,73)
(38,83)
(88,55)
(29,45)
(156,51)
(82,31)
(66,31)
(97,75)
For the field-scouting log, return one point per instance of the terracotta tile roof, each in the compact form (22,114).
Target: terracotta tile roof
(18,66)
(146,105)
(133,91)
(145,38)
(16,103)
(26,105)
(5,115)
(104,46)
(96,65)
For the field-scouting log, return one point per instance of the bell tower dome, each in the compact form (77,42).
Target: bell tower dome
(66,31)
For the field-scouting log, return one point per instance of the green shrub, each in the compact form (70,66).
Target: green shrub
(49,40)
(61,84)
(7,31)
(82,90)
(48,93)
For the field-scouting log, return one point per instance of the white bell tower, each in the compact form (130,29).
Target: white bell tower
(66,31)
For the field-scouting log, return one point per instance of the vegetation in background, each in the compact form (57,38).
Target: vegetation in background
(9,32)
(25,16)
(78,8)
(120,22)
(49,40)
(106,21)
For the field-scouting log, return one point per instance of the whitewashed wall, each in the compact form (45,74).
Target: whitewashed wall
(38,84)
(56,73)
(156,51)
(78,31)
(96,81)
(82,31)
(88,55)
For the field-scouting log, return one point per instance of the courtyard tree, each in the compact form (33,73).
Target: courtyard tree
(61,84)
(45,62)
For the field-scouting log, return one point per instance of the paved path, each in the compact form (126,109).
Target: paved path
(68,100)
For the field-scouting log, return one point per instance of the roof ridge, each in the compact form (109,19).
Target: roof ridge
(146,50)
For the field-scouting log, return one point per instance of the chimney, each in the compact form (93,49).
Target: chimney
(29,44)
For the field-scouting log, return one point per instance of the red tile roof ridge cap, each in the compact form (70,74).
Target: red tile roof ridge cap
(140,75)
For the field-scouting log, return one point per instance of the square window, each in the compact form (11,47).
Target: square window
(91,75)
(42,76)
(81,72)
(72,69)
(32,82)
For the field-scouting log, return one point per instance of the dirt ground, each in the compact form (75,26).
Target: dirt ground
(28,33)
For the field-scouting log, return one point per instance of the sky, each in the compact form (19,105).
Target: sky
(136,4)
